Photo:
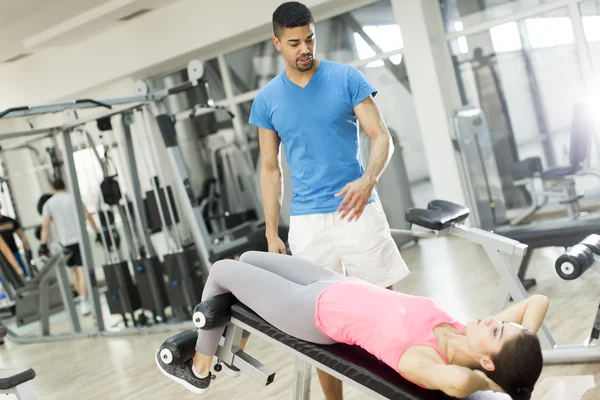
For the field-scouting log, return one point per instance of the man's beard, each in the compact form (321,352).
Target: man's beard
(305,67)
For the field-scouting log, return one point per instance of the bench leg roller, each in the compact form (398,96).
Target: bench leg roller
(573,263)
(179,348)
(214,312)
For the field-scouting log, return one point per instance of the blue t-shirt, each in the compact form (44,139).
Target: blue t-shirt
(319,132)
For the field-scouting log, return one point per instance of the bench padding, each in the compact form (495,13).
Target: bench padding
(12,378)
(353,362)
(440,214)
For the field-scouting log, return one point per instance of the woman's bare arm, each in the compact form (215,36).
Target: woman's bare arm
(453,380)
(530,312)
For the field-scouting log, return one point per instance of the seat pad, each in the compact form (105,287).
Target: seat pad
(559,173)
(526,168)
(551,233)
(353,362)
(440,214)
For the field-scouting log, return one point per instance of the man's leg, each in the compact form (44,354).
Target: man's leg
(368,250)
(82,287)
(76,263)
(311,238)
(286,305)
(75,280)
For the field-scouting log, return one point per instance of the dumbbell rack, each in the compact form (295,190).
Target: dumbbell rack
(571,265)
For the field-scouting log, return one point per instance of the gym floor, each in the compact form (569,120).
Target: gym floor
(453,272)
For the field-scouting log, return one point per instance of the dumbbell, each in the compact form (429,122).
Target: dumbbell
(213,312)
(179,348)
(573,263)
(593,243)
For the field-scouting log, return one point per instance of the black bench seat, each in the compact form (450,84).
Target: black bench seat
(352,362)
(439,215)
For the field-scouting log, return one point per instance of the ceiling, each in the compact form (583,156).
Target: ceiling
(28,26)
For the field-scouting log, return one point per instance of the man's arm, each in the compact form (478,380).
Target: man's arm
(9,256)
(21,234)
(382,147)
(530,312)
(45,225)
(271,186)
(357,193)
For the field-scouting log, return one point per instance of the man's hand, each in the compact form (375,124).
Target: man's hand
(276,245)
(356,196)
(44,251)
(29,256)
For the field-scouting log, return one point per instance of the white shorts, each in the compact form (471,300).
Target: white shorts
(363,248)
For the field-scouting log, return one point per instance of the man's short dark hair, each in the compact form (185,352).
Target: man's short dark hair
(291,15)
(58,184)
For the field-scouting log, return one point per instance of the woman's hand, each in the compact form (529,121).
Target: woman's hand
(493,386)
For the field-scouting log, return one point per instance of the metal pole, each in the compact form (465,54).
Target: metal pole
(136,192)
(154,184)
(112,257)
(89,179)
(131,228)
(160,175)
(84,240)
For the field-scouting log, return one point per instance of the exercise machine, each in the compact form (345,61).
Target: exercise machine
(352,364)
(46,294)
(483,188)
(148,270)
(122,294)
(219,244)
(559,182)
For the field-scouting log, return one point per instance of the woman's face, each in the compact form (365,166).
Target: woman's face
(486,337)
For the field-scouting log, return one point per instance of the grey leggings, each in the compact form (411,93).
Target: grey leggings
(281,289)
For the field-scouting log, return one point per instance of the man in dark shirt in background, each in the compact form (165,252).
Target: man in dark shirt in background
(8,228)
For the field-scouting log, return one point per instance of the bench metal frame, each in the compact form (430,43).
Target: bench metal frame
(230,352)
(498,248)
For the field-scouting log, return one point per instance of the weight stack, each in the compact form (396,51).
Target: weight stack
(184,270)
(151,285)
(122,295)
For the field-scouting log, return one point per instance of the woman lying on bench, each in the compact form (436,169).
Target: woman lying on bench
(411,334)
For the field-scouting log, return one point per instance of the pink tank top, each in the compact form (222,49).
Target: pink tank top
(383,322)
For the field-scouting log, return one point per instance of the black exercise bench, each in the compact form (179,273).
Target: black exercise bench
(351,364)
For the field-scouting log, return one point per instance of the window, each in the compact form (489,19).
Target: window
(460,14)
(527,78)
(387,37)
(590,18)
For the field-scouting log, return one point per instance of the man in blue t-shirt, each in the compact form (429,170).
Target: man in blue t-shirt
(314,107)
